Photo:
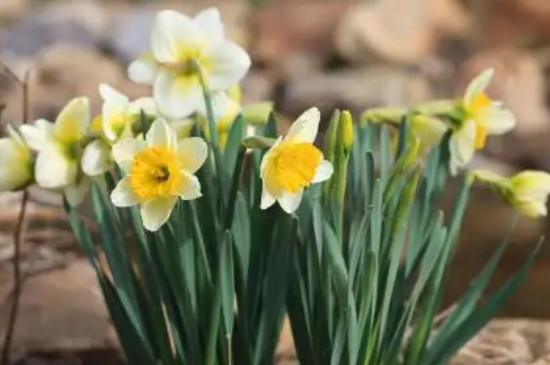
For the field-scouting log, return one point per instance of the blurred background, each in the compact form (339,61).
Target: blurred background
(328,53)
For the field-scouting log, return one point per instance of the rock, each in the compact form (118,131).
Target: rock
(62,73)
(396,30)
(62,310)
(355,89)
(519,82)
(130,34)
(11,9)
(79,23)
(308,28)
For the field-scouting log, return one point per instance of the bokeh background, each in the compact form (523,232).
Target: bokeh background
(328,53)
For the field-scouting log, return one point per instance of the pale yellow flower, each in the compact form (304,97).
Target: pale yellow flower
(159,170)
(293,164)
(15,162)
(528,192)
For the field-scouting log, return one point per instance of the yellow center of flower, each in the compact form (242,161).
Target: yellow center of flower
(478,111)
(155,173)
(292,166)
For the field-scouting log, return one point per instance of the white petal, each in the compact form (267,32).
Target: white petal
(123,196)
(305,128)
(96,158)
(110,94)
(500,121)
(54,170)
(15,165)
(146,104)
(170,31)
(143,70)
(73,120)
(177,97)
(230,64)
(75,193)
(210,24)
(39,135)
(113,118)
(533,209)
(192,153)
(125,150)
(462,144)
(324,172)
(267,199)
(290,201)
(478,85)
(156,212)
(161,134)
(15,135)
(190,187)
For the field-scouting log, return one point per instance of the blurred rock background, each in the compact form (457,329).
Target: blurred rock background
(344,53)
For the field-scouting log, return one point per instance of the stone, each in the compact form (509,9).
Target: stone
(62,310)
(355,89)
(396,30)
(308,28)
(79,23)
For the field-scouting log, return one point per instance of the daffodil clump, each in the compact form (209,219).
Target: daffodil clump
(213,227)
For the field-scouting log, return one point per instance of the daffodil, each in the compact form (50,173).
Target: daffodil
(482,117)
(293,163)
(59,150)
(225,111)
(429,130)
(16,162)
(119,114)
(97,158)
(159,170)
(181,49)
(528,192)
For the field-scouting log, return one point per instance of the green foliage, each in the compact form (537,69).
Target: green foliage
(370,295)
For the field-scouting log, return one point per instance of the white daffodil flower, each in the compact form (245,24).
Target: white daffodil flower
(293,163)
(16,162)
(118,113)
(59,150)
(180,47)
(528,192)
(483,117)
(97,158)
(159,171)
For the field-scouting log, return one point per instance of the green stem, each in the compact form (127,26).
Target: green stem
(234,188)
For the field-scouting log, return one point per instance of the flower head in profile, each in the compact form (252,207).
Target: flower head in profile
(159,170)
(181,49)
(118,114)
(482,117)
(59,150)
(16,163)
(526,191)
(293,164)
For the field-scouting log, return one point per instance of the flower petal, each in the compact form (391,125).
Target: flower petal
(146,104)
(110,94)
(478,85)
(143,70)
(156,212)
(177,97)
(324,172)
(15,165)
(113,120)
(210,24)
(500,121)
(533,209)
(74,119)
(96,158)
(54,170)
(75,193)
(125,150)
(290,201)
(39,135)
(169,32)
(123,196)
(267,199)
(462,146)
(190,187)
(161,134)
(305,128)
(230,64)
(192,153)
